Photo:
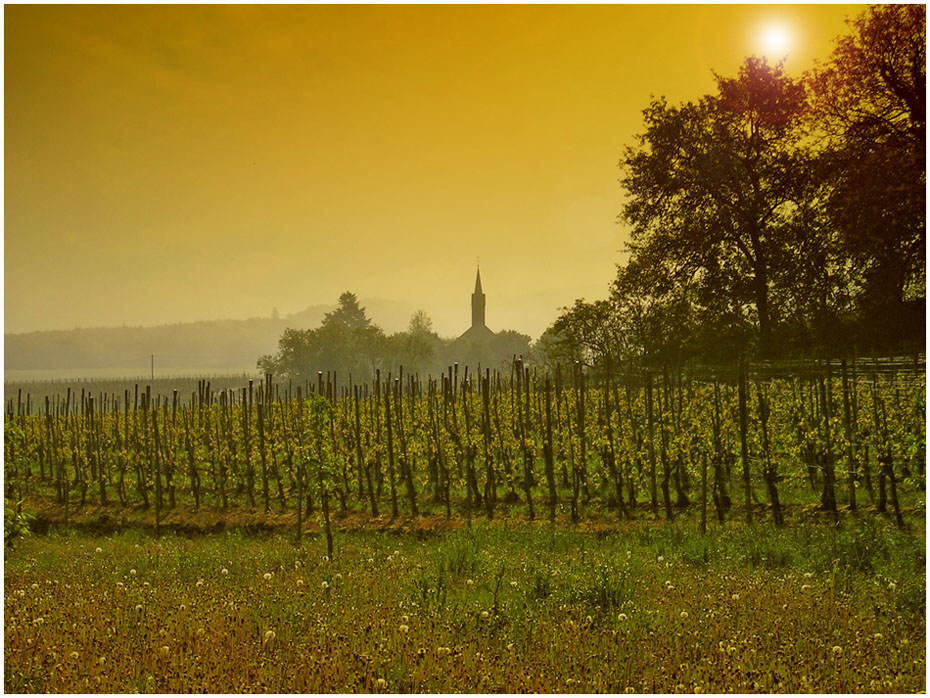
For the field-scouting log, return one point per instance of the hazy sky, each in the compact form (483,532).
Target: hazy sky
(167,164)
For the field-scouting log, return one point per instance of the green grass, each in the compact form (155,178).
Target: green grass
(502,607)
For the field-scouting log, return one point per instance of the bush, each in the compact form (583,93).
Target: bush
(16,521)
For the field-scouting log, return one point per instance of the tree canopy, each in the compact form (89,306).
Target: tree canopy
(778,215)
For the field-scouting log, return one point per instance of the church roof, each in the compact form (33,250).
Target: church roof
(476,333)
(478,283)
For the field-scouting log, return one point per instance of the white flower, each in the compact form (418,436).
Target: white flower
(808,575)
(138,608)
(805,587)
(326,558)
(684,614)
(485,615)
(324,585)
(132,573)
(735,597)
(337,577)
(469,582)
(99,550)
(267,576)
(621,617)
(183,607)
(163,651)
(300,582)
(731,649)
(199,583)
(224,571)
(878,636)
(837,649)
(403,628)
(404,619)
(371,561)
(75,655)
(269,636)
(513,584)
(380,683)
(443,651)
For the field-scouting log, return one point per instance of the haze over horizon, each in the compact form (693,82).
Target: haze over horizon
(170,164)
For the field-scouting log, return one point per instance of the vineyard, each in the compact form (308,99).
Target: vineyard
(757,530)
(750,443)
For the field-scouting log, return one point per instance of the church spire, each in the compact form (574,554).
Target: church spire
(477,303)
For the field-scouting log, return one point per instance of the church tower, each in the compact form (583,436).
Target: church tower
(477,303)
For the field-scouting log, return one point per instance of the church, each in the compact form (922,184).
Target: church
(478,332)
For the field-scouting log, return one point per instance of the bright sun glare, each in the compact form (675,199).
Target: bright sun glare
(776,40)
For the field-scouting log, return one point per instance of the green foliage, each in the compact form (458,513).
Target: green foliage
(16,520)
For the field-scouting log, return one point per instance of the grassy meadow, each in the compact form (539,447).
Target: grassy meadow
(501,606)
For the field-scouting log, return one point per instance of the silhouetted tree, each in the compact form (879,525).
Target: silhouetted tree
(716,187)
(870,111)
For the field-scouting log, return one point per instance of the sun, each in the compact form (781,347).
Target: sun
(776,40)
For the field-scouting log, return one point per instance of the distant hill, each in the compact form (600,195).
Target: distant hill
(208,346)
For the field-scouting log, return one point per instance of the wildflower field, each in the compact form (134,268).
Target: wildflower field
(502,606)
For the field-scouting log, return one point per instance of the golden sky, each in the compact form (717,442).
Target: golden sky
(175,163)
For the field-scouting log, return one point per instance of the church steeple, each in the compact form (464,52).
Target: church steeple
(477,303)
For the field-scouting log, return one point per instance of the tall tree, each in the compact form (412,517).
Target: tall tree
(715,189)
(870,112)
(348,313)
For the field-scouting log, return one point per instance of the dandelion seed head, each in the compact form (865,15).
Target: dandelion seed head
(837,649)
(805,587)
(75,655)
(684,614)
(132,572)
(324,585)
(735,597)
(99,550)
(267,576)
(163,650)
(381,683)
(485,615)
(224,571)
(621,617)
(403,628)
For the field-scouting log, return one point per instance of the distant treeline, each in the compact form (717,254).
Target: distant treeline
(215,345)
